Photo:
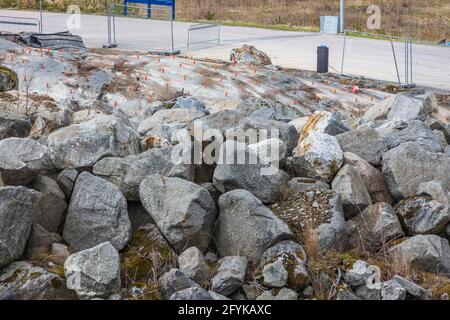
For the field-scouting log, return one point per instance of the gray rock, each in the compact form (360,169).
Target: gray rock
(270,152)
(127,173)
(97,213)
(436,190)
(307,184)
(175,281)
(23,281)
(366,293)
(401,106)
(436,125)
(331,235)
(221,121)
(346,295)
(417,132)
(429,253)
(299,123)
(275,274)
(218,297)
(324,122)
(52,202)
(286,247)
(249,54)
(249,174)
(407,166)
(375,226)
(412,290)
(283,294)
(251,291)
(255,107)
(373,179)
(318,156)
(184,212)
(393,292)
(354,195)
(213,191)
(95,272)
(422,215)
(364,142)
(14,125)
(191,294)
(168,116)
(441,139)
(246,227)
(66,180)
(22,166)
(190,103)
(230,275)
(192,263)
(293,258)
(162,134)
(357,276)
(266,129)
(82,145)
(18,207)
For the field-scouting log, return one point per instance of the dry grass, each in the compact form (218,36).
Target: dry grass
(422,19)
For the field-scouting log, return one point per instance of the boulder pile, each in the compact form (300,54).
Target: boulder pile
(263,205)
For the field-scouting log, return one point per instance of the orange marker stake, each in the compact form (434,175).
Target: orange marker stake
(185,77)
(226,94)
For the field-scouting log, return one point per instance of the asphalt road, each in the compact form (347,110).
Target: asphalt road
(364,57)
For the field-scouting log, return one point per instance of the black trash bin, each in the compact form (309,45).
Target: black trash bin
(322,59)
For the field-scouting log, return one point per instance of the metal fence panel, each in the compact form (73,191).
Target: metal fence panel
(203,35)
(17,24)
(404,61)
(158,20)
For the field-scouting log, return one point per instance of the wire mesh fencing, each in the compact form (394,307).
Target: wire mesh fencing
(156,20)
(203,35)
(396,59)
(14,23)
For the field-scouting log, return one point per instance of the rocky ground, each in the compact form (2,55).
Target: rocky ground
(94,205)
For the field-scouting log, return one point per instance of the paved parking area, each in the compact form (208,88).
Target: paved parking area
(365,57)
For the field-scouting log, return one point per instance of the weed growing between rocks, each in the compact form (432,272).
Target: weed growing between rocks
(144,260)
